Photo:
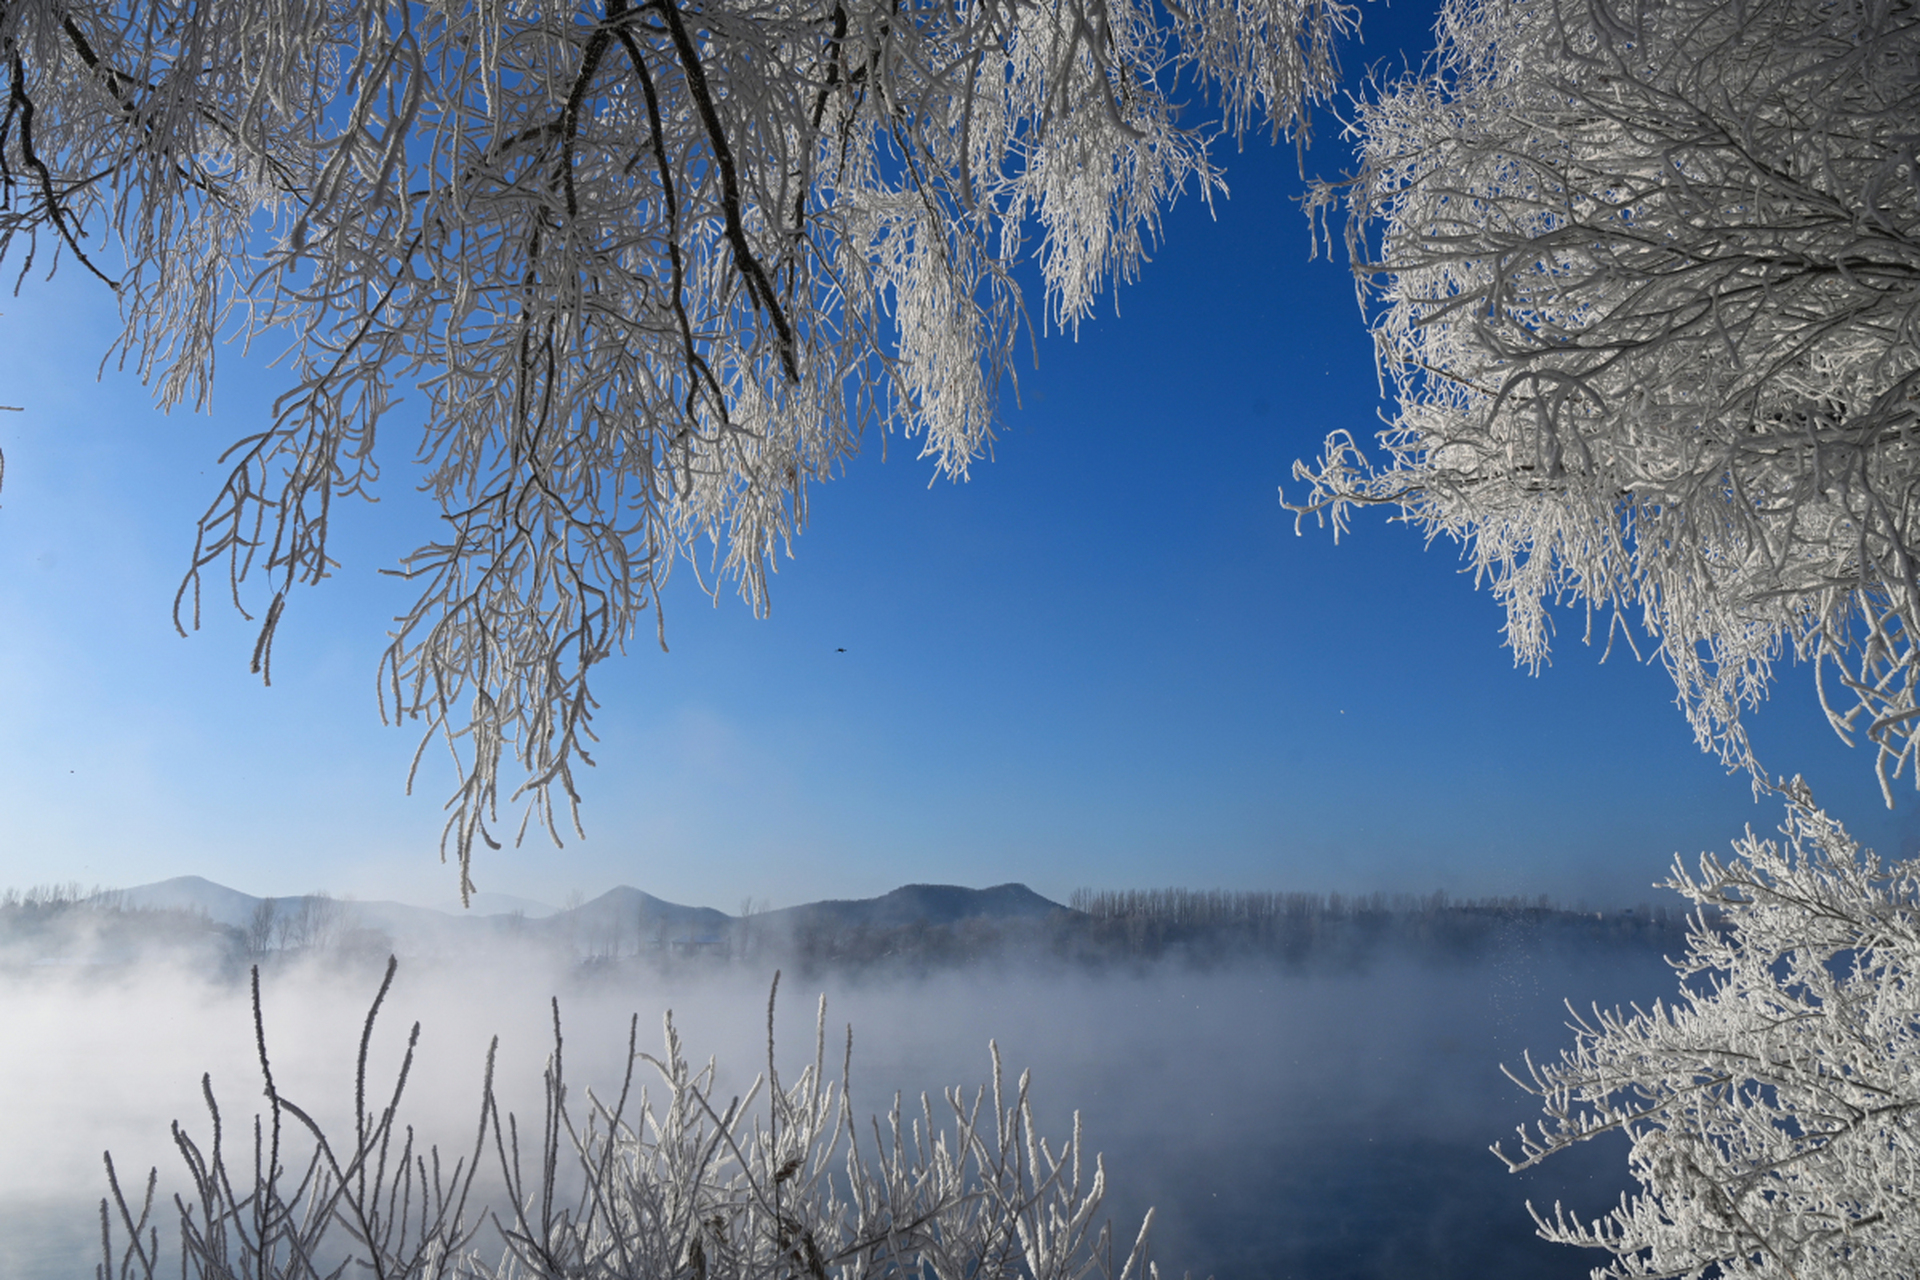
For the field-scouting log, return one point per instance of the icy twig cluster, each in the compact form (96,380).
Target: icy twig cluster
(671,1186)
(1774,1110)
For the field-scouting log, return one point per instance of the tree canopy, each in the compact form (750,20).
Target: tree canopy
(1645,278)
(654,266)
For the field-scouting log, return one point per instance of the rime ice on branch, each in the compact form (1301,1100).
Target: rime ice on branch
(1646,280)
(654,267)
(1772,1108)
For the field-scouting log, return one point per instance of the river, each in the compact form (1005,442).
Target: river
(1330,1126)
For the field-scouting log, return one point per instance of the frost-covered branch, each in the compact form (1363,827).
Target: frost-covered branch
(1646,280)
(1774,1108)
(652,267)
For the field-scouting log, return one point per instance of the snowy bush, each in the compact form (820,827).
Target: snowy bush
(659,1185)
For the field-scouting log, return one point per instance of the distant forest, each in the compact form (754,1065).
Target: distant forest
(1099,929)
(1304,927)
(64,925)
(1307,931)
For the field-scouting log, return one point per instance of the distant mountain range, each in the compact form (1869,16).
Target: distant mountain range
(623,912)
(236,909)
(916,927)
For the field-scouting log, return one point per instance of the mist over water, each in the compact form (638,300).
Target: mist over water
(1283,1124)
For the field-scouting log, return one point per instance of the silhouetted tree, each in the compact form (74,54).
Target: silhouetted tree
(260,928)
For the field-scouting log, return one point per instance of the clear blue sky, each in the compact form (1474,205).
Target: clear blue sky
(1107,660)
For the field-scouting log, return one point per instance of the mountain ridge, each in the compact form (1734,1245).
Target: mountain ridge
(913,928)
(907,905)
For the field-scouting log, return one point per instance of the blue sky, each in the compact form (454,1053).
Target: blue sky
(1106,660)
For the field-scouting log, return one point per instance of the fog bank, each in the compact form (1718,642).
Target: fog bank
(1284,1123)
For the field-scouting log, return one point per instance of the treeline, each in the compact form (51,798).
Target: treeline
(1342,930)
(1300,931)
(68,923)
(1231,907)
(50,899)
(62,924)
(312,923)
(46,903)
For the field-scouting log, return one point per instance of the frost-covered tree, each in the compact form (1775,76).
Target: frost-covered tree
(1645,279)
(652,267)
(1774,1109)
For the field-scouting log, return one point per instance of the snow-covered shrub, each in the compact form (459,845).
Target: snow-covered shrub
(662,1185)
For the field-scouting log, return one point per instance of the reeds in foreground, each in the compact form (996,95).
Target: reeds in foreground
(777,1185)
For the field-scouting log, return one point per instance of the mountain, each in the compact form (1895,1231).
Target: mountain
(625,916)
(622,911)
(934,904)
(190,893)
(300,915)
(117,926)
